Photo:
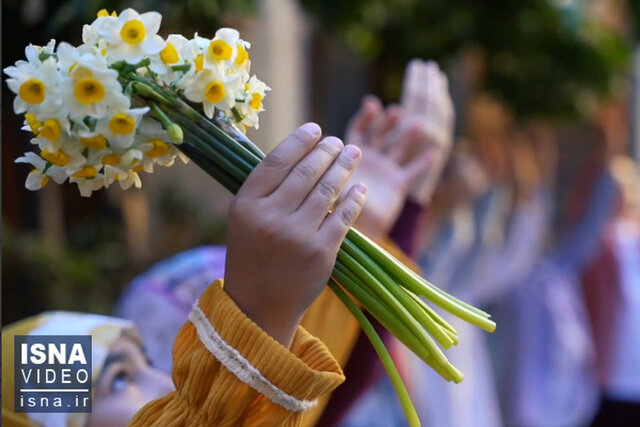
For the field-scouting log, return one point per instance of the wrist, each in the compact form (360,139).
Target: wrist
(278,324)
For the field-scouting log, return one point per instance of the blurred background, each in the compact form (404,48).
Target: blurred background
(543,173)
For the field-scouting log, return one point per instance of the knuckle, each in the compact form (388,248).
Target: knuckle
(314,251)
(327,190)
(274,161)
(305,171)
(347,215)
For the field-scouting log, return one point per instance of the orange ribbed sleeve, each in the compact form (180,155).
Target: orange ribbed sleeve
(229,372)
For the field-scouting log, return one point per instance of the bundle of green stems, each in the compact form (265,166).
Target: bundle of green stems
(365,275)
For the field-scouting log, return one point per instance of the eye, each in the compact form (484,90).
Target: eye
(121,381)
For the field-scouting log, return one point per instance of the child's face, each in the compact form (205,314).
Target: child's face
(126,384)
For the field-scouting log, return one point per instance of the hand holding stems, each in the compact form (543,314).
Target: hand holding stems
(427,105)
(282,240)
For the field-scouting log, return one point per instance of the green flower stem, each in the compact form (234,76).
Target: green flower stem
(226,180)
(219,159)
(418,313)
(385,315)
(211,147)
(380,310)
(192,114)
(438,319)
(383,354)
(407,278)
(402,310)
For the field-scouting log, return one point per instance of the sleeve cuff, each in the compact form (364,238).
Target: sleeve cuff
(293,379)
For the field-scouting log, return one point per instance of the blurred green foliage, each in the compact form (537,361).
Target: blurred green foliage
(540,59)
(634,8)
(87,274)
(64,19)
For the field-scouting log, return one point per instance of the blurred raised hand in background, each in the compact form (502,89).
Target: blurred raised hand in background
(404,147)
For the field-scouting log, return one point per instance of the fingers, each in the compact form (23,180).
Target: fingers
(386,126)
(335,227)
(415,95)
(426,92)
(304,176)
(419,166)
(360,125)
(325,193)
(408,140)
(270,173)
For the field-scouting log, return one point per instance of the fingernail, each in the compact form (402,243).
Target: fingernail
(334,142)
(353,152)
(311,128)
(361,188)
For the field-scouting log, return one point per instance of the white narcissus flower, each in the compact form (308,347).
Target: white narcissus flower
(92,89)
(38,178)
(242,63)
(223,47)
(88,180)
(91,33)
(213,88)
(252,105)
(171,55)
(35,83)
(119,127)
(125,178)
(48,131)
(132,36)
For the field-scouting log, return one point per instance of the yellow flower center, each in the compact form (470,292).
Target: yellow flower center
(158,148)
(133,32)
(86,172)
(214,92)
(111,159)
(122,124)
(98,142)
(169,54)
(199,61)
(256,101)
(32,91)
(59,158)
(104,13)
(88,90)
(138,168)
(242,56)
(33,123)
(51,130)
(220,50)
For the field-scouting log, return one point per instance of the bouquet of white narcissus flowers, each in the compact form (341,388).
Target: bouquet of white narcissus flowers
(90,124)
(127,100)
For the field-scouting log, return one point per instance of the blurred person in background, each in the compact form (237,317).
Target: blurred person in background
(612,290)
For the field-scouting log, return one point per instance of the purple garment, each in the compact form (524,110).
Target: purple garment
(159,300)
